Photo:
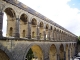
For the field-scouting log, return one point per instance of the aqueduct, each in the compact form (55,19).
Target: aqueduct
(31,35)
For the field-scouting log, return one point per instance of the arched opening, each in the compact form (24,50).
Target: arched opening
(61,52)
(3,56)
(24,35)
(41,30)
(53,53)
(47,30)
(23,25)
(11,32)
(67,52)
(33,34)
(34,28)
(4,25)
(34,53)
(8,21)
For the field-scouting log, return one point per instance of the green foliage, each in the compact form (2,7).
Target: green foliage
(79,38)
(29,55)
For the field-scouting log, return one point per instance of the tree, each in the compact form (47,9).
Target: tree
(79,38)
(30,55)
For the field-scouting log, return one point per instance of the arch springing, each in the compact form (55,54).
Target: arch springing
(34,22)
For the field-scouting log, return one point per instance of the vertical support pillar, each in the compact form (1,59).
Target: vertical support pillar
(29,30)
(68,54)
(58,56)
(1,23)
(59,36)
(16,34)
(38,37)
(62,36)
(64,55)
(49,34)
(44,34)
(52,35)
(64,52)
(56,35)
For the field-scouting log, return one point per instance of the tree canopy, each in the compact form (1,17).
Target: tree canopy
(79,38)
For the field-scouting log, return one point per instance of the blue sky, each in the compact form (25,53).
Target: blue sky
(74,4)
(64,12)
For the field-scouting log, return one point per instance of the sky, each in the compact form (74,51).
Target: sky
(64,12)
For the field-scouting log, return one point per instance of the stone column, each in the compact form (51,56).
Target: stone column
(58,56)
(44,34)
(17,34)
(60,36)
(56,35)
(49,34)
(64,55)
(38,37)
(29,30)
(1,23)
(68,54)
(52,35)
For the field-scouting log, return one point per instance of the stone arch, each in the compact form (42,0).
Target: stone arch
(34,22)
(5,53)
(34,28)
(10,12)
(67,52)
(41,25)
(61,52)
(23,25)
(47,27)
(21,13)
(53,52)
(35,51)
(24,18)
(11,18)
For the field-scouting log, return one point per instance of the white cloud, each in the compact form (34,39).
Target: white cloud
(4,25)
(58,11)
